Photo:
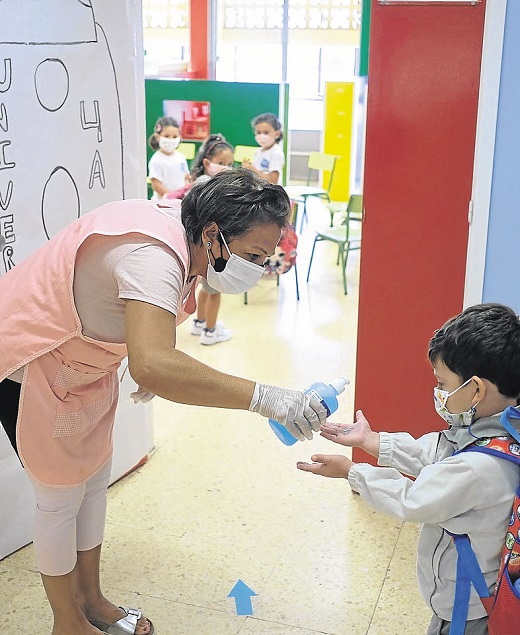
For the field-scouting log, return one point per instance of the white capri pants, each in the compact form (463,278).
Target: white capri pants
(68,520)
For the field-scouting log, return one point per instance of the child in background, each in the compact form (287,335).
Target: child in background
(269,159)
(214,156)
(476,360)
(168,168)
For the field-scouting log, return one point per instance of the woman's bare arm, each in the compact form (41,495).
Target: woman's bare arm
(156,365)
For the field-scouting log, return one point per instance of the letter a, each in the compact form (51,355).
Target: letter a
(97,172)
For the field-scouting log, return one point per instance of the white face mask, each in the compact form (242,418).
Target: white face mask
(169,145)
(215,168)
(238,276)
(457,420)
(264,140)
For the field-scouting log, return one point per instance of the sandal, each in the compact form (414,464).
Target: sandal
(125,626)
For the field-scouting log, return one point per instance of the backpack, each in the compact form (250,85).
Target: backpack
(284,256)
(503,605)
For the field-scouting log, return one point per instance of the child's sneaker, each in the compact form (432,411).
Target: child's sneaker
(218,334)
(197,326)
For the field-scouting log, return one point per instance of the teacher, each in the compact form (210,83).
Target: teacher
(116,283)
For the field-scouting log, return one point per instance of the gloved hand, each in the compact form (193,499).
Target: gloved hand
(298,412)
(141,395)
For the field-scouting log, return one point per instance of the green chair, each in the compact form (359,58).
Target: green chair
(343,236)
(300,193)
(188,150)
(336,207)
(243,153)
(278,284)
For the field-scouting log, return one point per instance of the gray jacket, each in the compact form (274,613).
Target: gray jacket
(468,493)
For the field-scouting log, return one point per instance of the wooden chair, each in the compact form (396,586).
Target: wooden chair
(300,193)
(342,236)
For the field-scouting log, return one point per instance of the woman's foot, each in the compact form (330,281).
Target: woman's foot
(82,628)
(105,613)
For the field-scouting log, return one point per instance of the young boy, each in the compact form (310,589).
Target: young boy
(476,361)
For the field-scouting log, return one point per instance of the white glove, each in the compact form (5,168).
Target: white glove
(298,412)
(141,395)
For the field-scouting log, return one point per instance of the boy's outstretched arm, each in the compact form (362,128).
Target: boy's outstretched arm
(356,435)
(330,465)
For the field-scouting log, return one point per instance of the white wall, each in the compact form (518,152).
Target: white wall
(72,137)
(493,268)
(502,269)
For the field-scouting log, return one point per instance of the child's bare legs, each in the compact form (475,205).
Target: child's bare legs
(202,299)
(206,325)
(208,305)
(211,308)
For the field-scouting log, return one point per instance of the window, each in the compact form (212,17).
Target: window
(163,14)
(322,39)
(166,36)
(303,14)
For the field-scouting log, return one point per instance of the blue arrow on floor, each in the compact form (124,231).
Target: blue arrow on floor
(242,594)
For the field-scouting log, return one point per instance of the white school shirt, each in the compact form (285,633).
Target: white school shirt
(270,160)
(170,169)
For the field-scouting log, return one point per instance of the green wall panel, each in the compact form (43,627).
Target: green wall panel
(233,104)
(365,39)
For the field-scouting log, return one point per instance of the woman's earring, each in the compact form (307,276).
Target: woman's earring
(208,245)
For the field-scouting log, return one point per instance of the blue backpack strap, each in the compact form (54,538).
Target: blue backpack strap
(482,445)
(468,573)
(513,458)
(468,569)
(513,413)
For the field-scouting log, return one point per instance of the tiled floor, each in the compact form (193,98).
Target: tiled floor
(220,499)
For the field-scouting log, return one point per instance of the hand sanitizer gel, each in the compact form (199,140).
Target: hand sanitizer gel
(326,393)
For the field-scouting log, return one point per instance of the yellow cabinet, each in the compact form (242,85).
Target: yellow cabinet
(337,138)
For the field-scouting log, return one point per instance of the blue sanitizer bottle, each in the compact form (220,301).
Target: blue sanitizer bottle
(326,393)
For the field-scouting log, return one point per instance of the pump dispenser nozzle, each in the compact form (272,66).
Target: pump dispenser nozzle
(326,393)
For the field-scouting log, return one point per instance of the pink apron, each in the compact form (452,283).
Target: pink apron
(70,384)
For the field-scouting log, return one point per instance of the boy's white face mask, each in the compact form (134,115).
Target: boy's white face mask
(238,275)
(457,420)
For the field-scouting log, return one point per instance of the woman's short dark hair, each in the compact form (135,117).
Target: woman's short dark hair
(236,200)
(483,340)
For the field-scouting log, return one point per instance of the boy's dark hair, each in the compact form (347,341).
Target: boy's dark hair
(237,200)
(213,144)
(272,120)
(161,123)
(483,340)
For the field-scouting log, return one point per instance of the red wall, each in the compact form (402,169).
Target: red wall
(423,81)
(199,39)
